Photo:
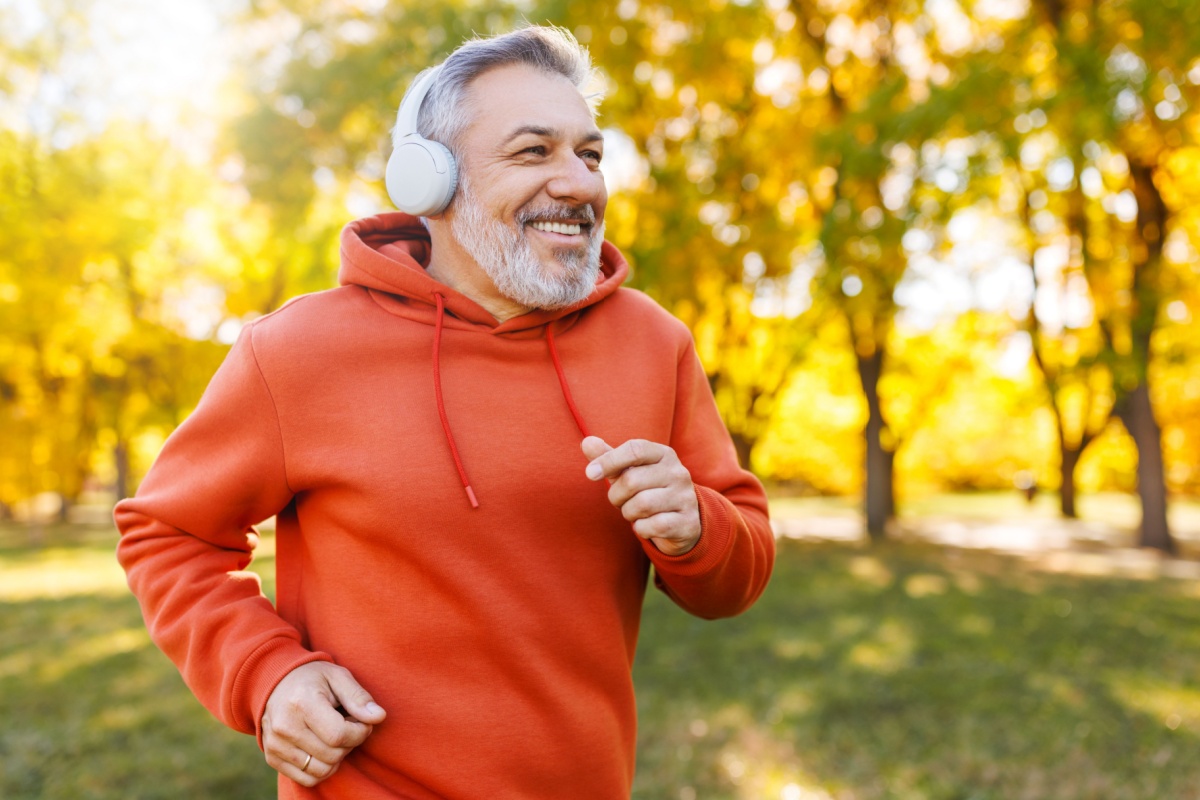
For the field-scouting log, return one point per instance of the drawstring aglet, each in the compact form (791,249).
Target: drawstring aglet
(441,405)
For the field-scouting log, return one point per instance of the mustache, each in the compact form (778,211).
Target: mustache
(557,212)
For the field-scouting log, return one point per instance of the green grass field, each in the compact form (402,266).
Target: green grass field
(895,672)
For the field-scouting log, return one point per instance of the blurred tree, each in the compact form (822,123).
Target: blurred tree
(871,66)
(94,297)
(1067,342)
(99,336)
(748,361)
(1107,78)
(1147,132)
(1177,341)
(1076,82)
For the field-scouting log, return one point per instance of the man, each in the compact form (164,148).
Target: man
(459,587)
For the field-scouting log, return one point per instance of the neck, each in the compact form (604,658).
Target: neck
(454,268)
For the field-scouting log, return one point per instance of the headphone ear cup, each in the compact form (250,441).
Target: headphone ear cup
(451,182)
(421,176)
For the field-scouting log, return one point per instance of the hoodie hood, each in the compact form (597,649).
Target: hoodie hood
(388,253)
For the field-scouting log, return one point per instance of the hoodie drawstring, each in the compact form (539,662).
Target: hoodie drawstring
(437,389)
(441,406)
(562,381)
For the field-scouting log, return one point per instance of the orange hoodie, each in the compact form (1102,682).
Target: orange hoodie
(499,638)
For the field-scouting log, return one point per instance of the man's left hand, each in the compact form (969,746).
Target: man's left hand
(651,488)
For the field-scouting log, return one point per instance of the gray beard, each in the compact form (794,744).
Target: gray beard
(510,261)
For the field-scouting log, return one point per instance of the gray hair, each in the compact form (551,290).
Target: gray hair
(444,114)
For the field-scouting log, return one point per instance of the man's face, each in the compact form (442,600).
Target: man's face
(530,203)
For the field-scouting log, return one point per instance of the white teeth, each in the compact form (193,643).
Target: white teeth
(557,227)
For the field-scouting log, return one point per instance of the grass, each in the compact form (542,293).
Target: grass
(901,672)
(905,672)
(92,709)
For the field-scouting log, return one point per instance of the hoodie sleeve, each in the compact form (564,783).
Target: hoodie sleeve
(729,567)
(186,540)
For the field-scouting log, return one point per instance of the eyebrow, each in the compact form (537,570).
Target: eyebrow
(551,133)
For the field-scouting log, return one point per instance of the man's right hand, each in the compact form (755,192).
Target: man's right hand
(304,717)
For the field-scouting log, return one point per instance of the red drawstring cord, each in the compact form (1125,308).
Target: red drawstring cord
(441,406)
(437,388)
(562,381)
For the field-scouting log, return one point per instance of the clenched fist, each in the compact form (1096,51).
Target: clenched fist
(652,489)
(305,732)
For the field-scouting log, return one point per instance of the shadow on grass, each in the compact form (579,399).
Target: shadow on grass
(903,672)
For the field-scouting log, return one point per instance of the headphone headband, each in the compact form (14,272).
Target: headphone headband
(410,108)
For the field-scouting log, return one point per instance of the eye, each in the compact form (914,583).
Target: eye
(593,157)
(535,150)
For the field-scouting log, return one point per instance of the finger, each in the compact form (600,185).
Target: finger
(319,769)
(672,528)
(298,747)
(291,768)
(316,767)
(335,731)
(291,741)
(635,452)
(293,772)
(306,778)
(646,503)
(356,700)
(593,447)
(637,479)
(657,526)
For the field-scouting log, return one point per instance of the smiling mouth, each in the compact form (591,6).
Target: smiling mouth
(564,228)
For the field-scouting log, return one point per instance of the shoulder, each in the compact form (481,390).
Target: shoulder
(309,319)
(639,311)
(307,308)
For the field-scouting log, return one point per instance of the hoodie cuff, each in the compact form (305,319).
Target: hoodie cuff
(260,674)
(716,538)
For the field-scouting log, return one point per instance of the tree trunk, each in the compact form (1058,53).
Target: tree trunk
(37,533)
(880,498)
(1136,410)
(121,457)
(1138,418)
(743,445)
(1070,460)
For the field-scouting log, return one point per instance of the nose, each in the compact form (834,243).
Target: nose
(574,181)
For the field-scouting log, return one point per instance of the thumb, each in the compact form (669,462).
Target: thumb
(593,447)
(355,699)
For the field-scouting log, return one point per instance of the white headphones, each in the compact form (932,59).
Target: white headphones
(421,174)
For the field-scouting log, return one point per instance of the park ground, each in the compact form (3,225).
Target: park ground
(989,651)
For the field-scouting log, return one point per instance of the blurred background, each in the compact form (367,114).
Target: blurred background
(942,262)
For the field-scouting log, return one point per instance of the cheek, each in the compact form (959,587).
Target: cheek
(601,201)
